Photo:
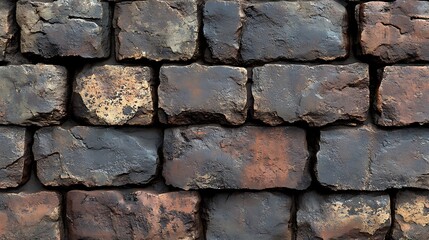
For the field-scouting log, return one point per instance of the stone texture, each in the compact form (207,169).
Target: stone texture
(343,216)
(259,215)
(30,216)
(199,94)
(200,157)
(317,95)
(394,31)
(8,27)
(32,94)
(366,158)
(411,215)
(403,96)
(157,30)
(64,28)
(298,30)
(135,214)
(114,95)
(96,156)
(222,29)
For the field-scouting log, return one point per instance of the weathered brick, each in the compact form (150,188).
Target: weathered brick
(317,95)
(366,158)
(298,30)
(198,94)
(7,27)
(95,156)
(114,95)
(343,216)
(222,29)
(30,216)
(14,156)
(411,215)
(259,215)
(157,30)
(403,96)
(200,157)
(64,28)
(394,31)
(32,94)
(133,214)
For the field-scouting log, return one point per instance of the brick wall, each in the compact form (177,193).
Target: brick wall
(215,119)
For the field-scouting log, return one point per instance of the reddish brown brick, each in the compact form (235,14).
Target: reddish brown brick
(403,96)
(200,157)
(343,216)
(135,214)
(394,31)
(30,216)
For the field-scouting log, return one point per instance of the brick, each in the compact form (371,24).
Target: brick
(157,30)
(114,95)
(394,31)
(135,214)
(222,29)
(411,215)
(367,158)
(200,157)
(299,30)
(317,95)
(343,216)
(403,96)
(33,94)
(200,94)
(94,156)
(64,28)
(8,27)
(30,216)
(259,215)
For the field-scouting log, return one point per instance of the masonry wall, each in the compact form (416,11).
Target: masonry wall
(215,119)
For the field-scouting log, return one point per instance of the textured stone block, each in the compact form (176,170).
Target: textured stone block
(317,95)
(411,215)
(96,156)
(298,30)
(8,27)
(403,96)
(157,30)
(366,158)
(259,215)
(64,28)
(133,215)
(201,94)
(32,94)
(394,31)
(343,216)
(114,95)
(30,216)
(200,157)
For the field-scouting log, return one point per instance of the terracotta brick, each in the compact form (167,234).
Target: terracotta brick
(134,214)
(201,157)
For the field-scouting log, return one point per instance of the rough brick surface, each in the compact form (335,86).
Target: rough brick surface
(64,28)
(198,94)
(157,30)
(32,94)
(96,156)
(317,95)
(343,216)
(259,215)
(30,216)
(411,215)
(14,156)
(394,31)
(377,158)
(114,95)
(233,158)
(403,96)
(7,27)
(299,30)
(133,215)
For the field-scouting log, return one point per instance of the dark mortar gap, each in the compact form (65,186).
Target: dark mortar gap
(250,100)
(313,138)
(352,30)
(156,68)
(204,214)
(392,194)
(293,213)
(375,76)
(65,230)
